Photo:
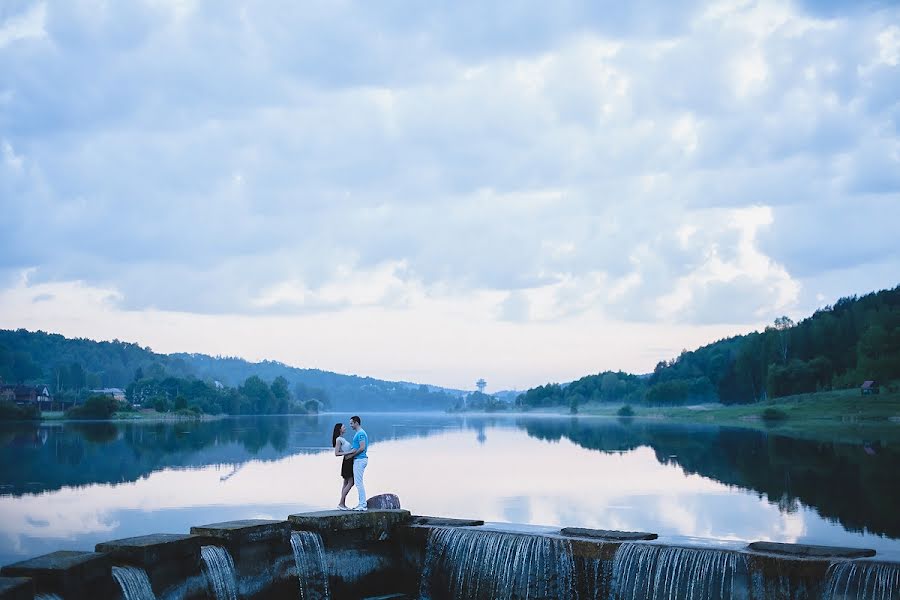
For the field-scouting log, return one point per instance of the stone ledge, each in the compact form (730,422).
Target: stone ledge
(809,551)
(328,521)
(607,534)
(150,549)
(62,568)
(445,521)
(245,531)
(16,588)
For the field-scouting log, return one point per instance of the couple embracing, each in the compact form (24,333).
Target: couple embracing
(353,460)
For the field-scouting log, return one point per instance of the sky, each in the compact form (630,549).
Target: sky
(438,192)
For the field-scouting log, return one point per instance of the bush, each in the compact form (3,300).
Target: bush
(625,411)
(773,414)
(95,407)
(192,412)
(10,411)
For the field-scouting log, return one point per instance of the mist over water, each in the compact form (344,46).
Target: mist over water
(69,486)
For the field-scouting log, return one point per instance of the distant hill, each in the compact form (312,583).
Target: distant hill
(838,347)
(67,365)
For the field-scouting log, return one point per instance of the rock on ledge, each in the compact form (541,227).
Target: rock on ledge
(383,501)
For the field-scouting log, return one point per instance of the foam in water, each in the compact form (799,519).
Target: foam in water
(47,597)
(134,583)
(653,572)
(863,580)
(477,564)
(219,569)
(309,556)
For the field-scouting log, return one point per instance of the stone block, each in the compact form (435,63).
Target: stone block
(147,550)
(608,534)
(245,531)
(171,560)
(78,574)
(16,588)
(444,521)
(262,554)
(809,551)
(332,521)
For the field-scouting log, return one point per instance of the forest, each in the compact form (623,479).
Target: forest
(70,368)
(838,347)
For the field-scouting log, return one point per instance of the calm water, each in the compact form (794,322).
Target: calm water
(69,486)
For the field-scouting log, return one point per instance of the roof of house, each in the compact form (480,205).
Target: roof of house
(869,384)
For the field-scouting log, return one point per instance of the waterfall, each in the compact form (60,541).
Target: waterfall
(477,564)
(309,555)
(219,569)
(134,583)
(852,580)
(652,572)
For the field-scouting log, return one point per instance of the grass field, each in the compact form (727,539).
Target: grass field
(840,414)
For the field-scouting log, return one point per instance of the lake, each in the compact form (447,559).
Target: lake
(71,485)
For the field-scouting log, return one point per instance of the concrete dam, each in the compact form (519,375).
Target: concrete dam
(387,553)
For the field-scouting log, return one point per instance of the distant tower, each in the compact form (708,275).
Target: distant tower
(480,384)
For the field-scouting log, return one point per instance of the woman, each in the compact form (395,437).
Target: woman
(341,448)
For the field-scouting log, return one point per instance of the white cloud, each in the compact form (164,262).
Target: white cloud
(604,163)
(26,26)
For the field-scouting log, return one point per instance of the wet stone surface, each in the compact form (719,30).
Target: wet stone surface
(445,521)
(607,534)
(340,520)
(806,550)
(149,549)
(16,588)
(248,530)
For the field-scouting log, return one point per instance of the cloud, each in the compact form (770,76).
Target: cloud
(597,160)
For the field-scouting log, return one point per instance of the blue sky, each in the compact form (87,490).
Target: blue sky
(444,191)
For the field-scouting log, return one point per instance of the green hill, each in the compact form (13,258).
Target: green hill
(70,367)
(838,347)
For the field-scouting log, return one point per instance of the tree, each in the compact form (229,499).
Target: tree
(609,386)
(23,368)
(259,395)
(783,326)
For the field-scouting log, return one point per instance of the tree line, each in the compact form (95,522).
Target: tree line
(838,347)
(72,367)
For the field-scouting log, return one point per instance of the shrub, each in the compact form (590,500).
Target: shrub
(10,411)
(625,411)
(95,407)
(773,414)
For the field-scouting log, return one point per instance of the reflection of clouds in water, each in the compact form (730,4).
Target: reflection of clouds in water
(516,509)
(511,477)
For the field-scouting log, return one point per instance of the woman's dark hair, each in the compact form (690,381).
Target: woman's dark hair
(335,433)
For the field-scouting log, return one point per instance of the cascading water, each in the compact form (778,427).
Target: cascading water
(652,572)
(134,583)
(852,580)
(309,556)
(219,569)
(47,597)
(478,564)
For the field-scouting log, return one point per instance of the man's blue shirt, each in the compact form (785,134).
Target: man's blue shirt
(355,444)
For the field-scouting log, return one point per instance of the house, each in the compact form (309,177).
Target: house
(25,394)
(869,387)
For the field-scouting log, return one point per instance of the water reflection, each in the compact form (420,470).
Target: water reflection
(72,485)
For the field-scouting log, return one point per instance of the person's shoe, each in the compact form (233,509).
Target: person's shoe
(361,507)
(342,507)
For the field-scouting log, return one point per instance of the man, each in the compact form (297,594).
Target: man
(358,447)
